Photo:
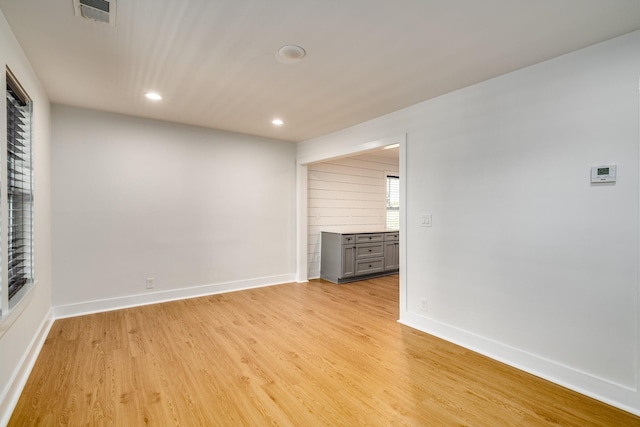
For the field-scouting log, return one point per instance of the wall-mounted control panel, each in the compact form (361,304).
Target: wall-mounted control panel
(606,173)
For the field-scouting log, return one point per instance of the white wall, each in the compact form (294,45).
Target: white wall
(346,193)
(527,261)
(198,210)
(23,330)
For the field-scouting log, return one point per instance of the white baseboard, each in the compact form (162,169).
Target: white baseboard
(89,307)
(614,394)
(12,391)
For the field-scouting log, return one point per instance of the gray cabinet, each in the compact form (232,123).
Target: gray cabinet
(348,267)
(392,251)
(346,257)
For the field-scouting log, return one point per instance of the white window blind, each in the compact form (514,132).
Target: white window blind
(393,202)
(19,188)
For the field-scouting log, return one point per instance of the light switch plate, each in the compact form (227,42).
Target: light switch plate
(425,220)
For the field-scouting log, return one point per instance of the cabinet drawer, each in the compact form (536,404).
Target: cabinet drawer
(369,250)
(368,266)
(348,238)
(391,237)
(369,238)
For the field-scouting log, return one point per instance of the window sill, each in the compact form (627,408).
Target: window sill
(16,307)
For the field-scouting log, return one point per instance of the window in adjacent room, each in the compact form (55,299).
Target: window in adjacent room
(18,187)
(393,202)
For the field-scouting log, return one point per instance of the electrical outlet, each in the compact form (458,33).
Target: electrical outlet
(423,305)
(150,283)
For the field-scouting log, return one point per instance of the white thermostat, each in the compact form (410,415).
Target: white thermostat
(605,173)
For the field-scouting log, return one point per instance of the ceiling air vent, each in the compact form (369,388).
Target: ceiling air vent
(97,10)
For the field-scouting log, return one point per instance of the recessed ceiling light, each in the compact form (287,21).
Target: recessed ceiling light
(277,122)
(290,53)
(153,96)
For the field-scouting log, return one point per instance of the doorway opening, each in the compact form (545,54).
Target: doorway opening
(351,193)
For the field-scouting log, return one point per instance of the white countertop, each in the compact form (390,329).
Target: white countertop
(362,231)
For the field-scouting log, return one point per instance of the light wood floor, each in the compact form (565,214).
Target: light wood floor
(295,354)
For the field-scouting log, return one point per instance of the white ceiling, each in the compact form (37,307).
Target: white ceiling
(214,60)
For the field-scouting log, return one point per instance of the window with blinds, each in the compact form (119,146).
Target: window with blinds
(393,202)
(19,188)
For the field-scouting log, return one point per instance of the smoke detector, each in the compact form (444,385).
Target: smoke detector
(103,11)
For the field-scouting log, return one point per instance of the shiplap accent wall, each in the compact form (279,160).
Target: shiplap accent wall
(346,193)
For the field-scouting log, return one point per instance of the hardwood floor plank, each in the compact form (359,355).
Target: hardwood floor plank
(293,354)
